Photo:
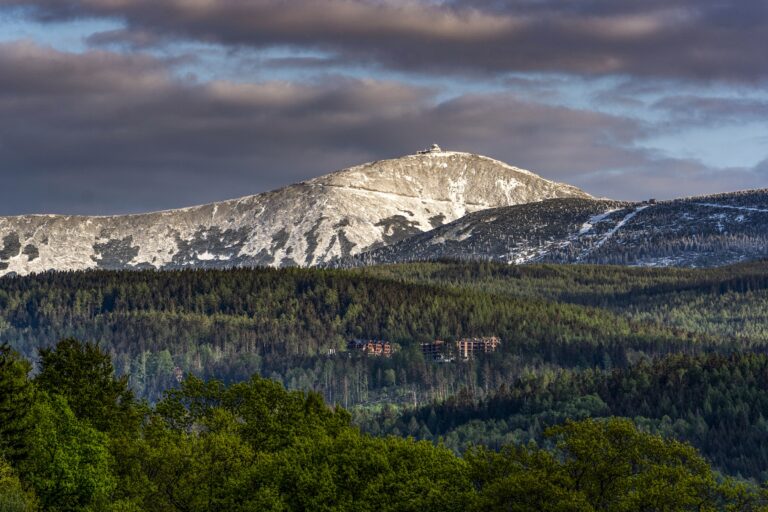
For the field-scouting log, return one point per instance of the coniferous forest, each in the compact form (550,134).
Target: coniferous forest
(612,389)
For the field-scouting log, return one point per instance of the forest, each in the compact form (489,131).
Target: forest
(293,325)
(679,352)
(74,438)
(717,403)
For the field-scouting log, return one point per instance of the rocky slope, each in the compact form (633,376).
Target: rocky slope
(691,232)
(337,215)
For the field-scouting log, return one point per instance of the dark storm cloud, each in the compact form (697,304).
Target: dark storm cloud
(689,39)
(72,123)
(104,132)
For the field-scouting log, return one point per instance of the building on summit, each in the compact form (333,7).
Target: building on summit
(434,149)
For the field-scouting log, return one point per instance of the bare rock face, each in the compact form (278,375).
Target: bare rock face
(336,215)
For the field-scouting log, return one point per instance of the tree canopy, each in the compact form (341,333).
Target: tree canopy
(254,445)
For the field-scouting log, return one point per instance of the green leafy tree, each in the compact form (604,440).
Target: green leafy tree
(13,498)
(523,479)
(606,466)
(69,466)
(205,469)
(271,416)
(619,468)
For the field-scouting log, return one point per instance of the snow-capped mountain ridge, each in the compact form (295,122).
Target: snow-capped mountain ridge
(688,232)
(336,215)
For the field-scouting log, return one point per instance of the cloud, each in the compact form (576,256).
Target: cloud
(668,178)
(104,132)
(697,40)
(128,39)
(708,110)
(762,169)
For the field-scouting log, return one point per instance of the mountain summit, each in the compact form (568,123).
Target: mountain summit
(336,215)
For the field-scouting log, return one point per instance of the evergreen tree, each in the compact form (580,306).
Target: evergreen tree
(85,377)
(16,398)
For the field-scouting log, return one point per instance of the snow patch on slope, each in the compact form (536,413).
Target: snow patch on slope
(618,226)
(596,219)
(731,207)
(339,214)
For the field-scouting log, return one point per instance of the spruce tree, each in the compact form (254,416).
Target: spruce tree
(16,398)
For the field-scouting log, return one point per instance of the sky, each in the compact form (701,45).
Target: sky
(124,106)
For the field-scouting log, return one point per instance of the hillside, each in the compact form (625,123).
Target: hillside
(703,231)
(336,215)
(293,324)
(716,403)
(577,326)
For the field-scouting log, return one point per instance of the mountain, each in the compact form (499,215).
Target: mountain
(692,232)
(336,215)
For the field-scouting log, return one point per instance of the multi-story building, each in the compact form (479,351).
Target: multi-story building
(467,348)
(434,350)
(377,348)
